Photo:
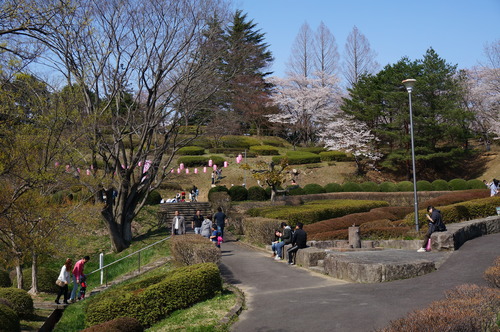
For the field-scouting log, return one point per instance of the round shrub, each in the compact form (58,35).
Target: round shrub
(238,193)
(440,185)
(191,151)
(295,191)
(314,188)
(388,187)
(369,186)
(22,303)
(475,184)
(333,156)
(217,189)
(257,193)
(458,184)
(5,279)
(264,150)
(405,186)
(46,280)
(333,188)
(9,320)
(423,185)
(351,187)
(241,142)
(154,198)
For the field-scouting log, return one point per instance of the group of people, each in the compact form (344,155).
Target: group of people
(181,197)
(297,238)
(216,175)
(201,225)
(494,186)
(75,273)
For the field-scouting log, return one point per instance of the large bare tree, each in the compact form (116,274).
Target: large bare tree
(301,60)
(359,58)
(326,55)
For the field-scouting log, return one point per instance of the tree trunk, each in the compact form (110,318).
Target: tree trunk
(34,274)
(19,273)
(114,229)
(273,194)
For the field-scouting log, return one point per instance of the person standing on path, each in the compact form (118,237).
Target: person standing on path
(435,225)
(77,274)
(299,241)
(64,278)
(196,223)
(220,220)
(178,224)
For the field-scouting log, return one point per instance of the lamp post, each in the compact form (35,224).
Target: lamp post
(409,83)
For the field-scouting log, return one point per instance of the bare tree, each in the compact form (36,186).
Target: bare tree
(359,58)
(301,61)
(326,55)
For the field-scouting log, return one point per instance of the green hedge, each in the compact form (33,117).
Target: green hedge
(257,193)
(475,184)
(388,187)
(179,289)
(314,211)
(313,188)
(405,186)
(191,151)
(458,184)
(369,186)
(21,301)
(275,141)
(312,149)
(440,185)
(298,158)
(333,188)
(154,198)
(238,193)
(191,249)
(5,279)
(477,208)
(241,142)
(264,150)
(295,191)
(259,230)
(232,152)
(9,320)
(423,185)
(197,161)
(217,189)
(333,156)
(350,187)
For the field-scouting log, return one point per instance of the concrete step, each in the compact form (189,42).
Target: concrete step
(317,269)
(321,263)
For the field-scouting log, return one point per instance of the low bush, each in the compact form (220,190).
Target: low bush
(440,185)
(456,197)
(458,184)
(264,150)
(333,188)
(369,186)
(313,188)
(478,208)
(405,186)
(295,191)
(122,324)
(257,193)
(193,161)
(241,142)
(191,151)
(466,308)
(475,184)
(492,274)
(154,198)
(9,320)
(179,289)
(217,189)
(21,301)
(260,230)
(333,156)
(314,211)
(388,187)
(423,185)
(46,280)
(232,152)
(238,193)
(191,249)
(5,279)
(204,142)
(275,141)
(312,149)
(349,187)
(298,158)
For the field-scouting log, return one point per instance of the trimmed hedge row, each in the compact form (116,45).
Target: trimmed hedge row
(178,289)
(191,151)
(257,193)
(9,320)
(334,156)
(298,158)
(193,161)
(259,230)
(191,249)
(477,208)
(21,301)
(5,279)
(264,150)
(315,211)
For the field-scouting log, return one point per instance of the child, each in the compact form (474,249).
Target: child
(83,287)
(215,237)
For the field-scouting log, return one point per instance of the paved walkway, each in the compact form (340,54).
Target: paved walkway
(288,298)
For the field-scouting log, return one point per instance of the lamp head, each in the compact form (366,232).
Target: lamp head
(409,83)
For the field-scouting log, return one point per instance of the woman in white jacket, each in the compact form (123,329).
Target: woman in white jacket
(63,280)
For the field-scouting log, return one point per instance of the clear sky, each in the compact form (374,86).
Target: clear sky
(457,30)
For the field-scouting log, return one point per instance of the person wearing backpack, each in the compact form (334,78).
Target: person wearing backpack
(436,224)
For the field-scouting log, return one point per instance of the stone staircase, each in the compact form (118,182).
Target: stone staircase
(166,212)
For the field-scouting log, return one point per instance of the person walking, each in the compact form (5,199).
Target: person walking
(435,225)
(77,274)
(206,228)
(178,224)
(197,221)
(299,241)
(63,281)
(220,219)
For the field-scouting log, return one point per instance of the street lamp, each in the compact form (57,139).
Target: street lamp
(409,83)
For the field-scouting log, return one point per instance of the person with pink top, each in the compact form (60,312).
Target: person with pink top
(77,276)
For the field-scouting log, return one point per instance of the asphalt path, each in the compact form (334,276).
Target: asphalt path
(280,297)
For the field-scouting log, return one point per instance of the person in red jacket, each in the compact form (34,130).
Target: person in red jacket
(77,276)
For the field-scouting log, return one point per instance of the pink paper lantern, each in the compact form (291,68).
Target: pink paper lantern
(210,163)
(225,164)
(139,163)
(172,171)
(215,167)
(78,169)
(181,166)
(237,160)
(187,170)
(178,171)
(195,171)
(204,169)
(88,172)
(56,164)
(67,168)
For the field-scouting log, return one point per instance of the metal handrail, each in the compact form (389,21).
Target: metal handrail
(129,255)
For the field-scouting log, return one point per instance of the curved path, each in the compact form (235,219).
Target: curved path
(288,298)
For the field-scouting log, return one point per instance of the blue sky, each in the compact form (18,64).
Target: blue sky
(457,30)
